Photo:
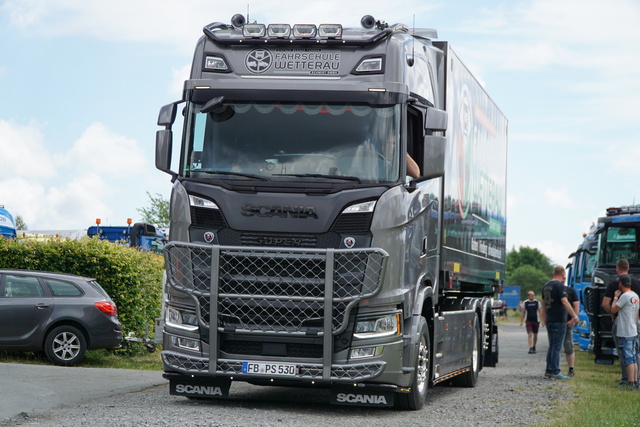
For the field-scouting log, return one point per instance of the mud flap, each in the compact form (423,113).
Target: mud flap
(206,389)
(356,396)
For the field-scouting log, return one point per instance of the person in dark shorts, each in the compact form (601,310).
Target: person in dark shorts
(572,297)
(533,315)
(622,268)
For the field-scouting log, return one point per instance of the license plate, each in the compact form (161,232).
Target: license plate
(265,368)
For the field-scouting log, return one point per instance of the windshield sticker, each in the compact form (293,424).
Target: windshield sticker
(293,61)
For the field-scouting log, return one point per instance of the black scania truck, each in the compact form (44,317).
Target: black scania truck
(301,253)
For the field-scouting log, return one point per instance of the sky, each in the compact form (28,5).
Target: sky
(81,84)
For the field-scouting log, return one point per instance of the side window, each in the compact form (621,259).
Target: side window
(63,289)
(415,141)
(21,287)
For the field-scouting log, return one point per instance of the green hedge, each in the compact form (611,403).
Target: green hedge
(132,278)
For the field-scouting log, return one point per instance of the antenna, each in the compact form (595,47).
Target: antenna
(411,61)
(248,21)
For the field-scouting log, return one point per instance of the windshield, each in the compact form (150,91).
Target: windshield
(293,141)
(617,243)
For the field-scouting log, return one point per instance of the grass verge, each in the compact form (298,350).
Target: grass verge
(132,357)
(596,399)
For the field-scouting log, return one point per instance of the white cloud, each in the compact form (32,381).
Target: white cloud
(24,152)
(101,151)
(68,190)
(559,198)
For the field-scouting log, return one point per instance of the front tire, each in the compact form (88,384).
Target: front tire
(65,345)
(415,399)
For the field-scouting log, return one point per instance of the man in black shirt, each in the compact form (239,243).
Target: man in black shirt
(554,297)
(622,267)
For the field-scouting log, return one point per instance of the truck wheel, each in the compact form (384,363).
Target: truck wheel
(65,345)
(469,378)
(415,399)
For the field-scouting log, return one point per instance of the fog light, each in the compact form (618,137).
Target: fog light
(362,352)
(186,343)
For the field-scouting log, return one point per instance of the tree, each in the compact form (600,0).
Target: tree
(528,278)
(157,212)
(20,224)
(528,256)
(528,268)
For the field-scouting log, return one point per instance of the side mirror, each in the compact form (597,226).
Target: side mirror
(167,115)
(435,120)
(433,161)
(164,145)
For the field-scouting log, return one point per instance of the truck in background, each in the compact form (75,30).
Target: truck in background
(139,235)
(7,224)
(579,272)
(618,236)
(299,253)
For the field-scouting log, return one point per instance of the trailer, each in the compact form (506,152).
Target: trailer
(300,251)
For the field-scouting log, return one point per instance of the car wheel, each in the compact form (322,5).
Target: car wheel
(65,345)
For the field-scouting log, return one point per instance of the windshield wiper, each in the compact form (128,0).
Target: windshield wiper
(246,175)
(319,175)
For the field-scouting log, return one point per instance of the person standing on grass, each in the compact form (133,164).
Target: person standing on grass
(625,305)
(622,268)
(554,299)
(532,309)
(572,297)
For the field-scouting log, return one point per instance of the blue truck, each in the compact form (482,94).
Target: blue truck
(7,224)
(579,273)
(139,235)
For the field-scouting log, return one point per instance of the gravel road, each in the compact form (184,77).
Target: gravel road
(513,394)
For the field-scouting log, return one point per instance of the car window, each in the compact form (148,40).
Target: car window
(98,288)
(63,289)
(21,287)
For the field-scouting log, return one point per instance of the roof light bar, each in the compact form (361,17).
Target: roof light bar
(304,31)
(333,31)
(254,30)
(279,30)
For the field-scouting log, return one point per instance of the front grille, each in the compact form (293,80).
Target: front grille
(251,348)
(207,218)
(355,223)
(275,290)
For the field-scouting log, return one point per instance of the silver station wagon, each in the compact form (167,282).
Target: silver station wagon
(61,314)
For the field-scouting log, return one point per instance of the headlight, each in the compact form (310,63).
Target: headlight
(374,327)
(364,207)
(202,203)
(182,319)
(598,281)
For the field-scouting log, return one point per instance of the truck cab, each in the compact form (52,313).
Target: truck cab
(7,224)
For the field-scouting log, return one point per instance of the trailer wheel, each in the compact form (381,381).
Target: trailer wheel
(415,399)
(469,378)
(65,345)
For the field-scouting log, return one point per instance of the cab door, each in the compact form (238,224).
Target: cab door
(25,309)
